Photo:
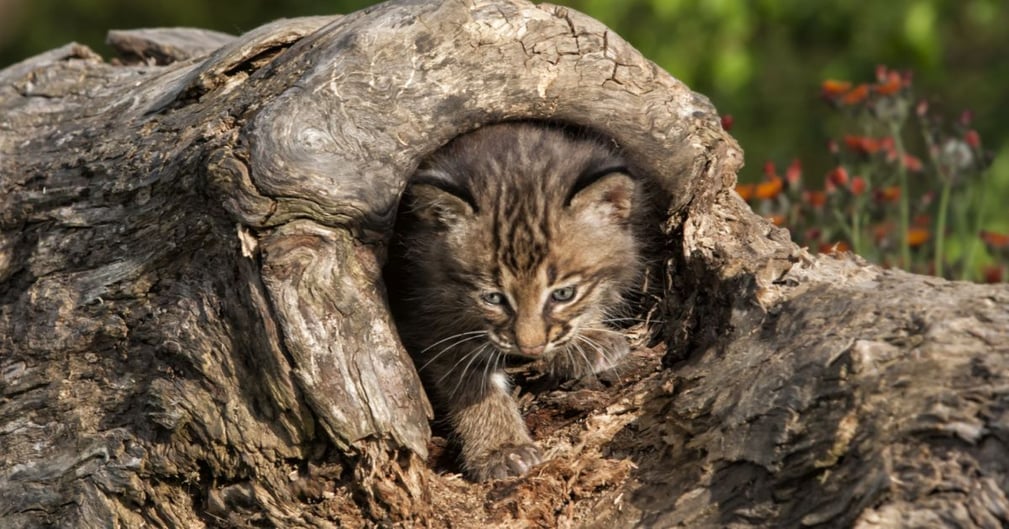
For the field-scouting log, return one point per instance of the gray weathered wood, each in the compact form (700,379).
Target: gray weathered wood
(165,45)
(193,329)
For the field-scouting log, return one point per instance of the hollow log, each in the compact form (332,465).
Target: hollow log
(194,330)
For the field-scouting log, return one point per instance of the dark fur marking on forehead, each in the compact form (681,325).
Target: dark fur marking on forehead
(527,242)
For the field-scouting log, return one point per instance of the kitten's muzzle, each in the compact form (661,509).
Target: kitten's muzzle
(535,350)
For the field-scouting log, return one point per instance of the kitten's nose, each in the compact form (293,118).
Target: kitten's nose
(535,350)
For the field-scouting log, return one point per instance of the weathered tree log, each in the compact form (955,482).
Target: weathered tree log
(193,330)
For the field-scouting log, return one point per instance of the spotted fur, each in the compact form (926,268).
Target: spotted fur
(515,239)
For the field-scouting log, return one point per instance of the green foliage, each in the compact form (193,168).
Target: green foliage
(759,60)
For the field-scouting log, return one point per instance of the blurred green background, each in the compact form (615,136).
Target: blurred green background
(760,60)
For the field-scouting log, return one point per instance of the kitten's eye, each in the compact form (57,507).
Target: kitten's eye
(563,294)
(493,298)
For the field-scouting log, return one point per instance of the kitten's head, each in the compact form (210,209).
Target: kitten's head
(524,232)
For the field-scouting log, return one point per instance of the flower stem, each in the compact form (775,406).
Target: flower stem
(856,228)
(974,239)
(940,223)
(905,206)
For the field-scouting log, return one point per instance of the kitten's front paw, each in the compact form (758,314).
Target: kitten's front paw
(507,461)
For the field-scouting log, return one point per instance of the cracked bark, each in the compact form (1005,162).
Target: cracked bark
(193,330)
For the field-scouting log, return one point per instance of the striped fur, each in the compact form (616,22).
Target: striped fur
(515,239)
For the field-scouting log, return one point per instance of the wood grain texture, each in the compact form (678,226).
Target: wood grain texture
(193,331)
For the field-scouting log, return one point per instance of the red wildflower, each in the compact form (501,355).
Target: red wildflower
(992,274)
(921,108)
(770,171)
(727,122)
(913,163)
(838,176)
(973,139)
(794,173)
(857,185)
(856,95)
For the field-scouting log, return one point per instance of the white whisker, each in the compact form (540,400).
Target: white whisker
(588,363)
(447,338)
(446,349)
(462,376)
(603,352)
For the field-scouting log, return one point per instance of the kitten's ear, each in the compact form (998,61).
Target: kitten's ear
(436,201)
(609,197)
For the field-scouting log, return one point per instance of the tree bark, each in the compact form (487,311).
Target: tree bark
(194,333)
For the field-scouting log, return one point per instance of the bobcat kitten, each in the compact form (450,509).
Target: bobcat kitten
(515,239)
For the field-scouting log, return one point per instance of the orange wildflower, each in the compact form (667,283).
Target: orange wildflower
(837,247)
(832,88)
(777,220)
(769,189)
(888,194)
(817,199)
(891,84)
(745,191)
(856,95)
(862,144)
(994,240)
(917,237)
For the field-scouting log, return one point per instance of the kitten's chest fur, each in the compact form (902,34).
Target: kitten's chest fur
(516,239)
